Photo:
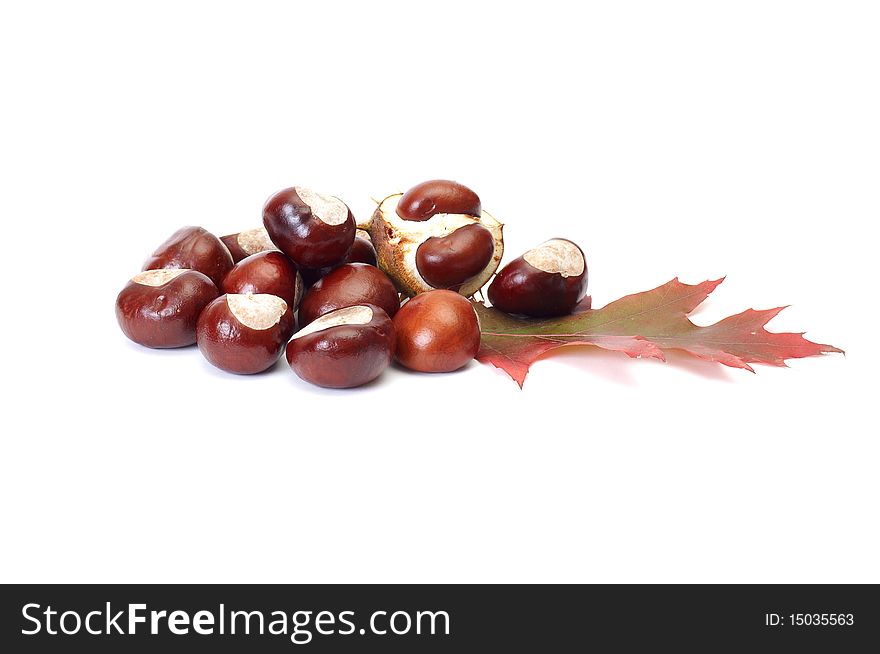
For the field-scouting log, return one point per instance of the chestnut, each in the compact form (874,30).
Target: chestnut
(362,251)
(449,261)
(312,229)
(266,272)
(427,199)
(248,242)
(437,331)
(546,281)
(344,348)
(436,235)
(245,334)
(348,285)
(160,308)
(194,248)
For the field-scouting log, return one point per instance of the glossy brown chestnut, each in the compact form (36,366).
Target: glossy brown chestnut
(348,285)
(438,196)
(344,348)
(266,272)
(245,334)
(362,251)
(312,229)
(194,248)
(449,261)
(248,242)
(437,331)
(546,281)
(160,308)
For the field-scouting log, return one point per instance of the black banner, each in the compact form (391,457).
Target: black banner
(444,618)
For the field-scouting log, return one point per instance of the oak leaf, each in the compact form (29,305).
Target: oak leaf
(642,325)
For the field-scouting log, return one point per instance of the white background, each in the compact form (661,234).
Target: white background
(692,138)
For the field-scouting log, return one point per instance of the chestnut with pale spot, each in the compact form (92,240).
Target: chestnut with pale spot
(160,308)
(437,331)
(349,285)
(269,272)
(194,248)
(546,281)
(245,333)
(312,229)
(345,348)
(248,242)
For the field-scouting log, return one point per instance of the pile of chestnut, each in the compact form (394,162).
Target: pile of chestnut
(242,297)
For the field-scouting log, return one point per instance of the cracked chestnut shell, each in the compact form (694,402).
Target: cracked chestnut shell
(245,334)
(349,285)
(546,281)
(160,308)
(437,331)
(312,229)
(266,272)
(248,242)
(194,248)
(344,348)
(423,247)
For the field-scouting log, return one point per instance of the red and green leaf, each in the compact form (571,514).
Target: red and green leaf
(642,325)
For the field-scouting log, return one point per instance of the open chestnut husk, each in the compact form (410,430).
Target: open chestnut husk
(266,272)
(436,235)
(194,248)
(245,333)
(348,285)
(546,281)
(248,242)
(312,229)
(344,348)
(437,331)
(160,308)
